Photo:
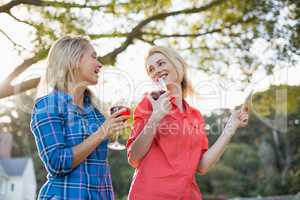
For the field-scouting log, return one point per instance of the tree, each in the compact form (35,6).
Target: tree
(259,161)
(232,24)
(18,124)
(253,164)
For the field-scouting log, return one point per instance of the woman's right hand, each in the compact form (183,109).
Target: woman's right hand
(161,106)
(114,123)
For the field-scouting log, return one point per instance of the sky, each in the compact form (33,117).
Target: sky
(129,79)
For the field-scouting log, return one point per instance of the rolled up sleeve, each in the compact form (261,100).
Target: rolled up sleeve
(47,127)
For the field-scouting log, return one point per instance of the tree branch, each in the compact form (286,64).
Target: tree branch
(6,87)
(26,63)
(136,32)
(181,35)
(6,7)
(21,21)
(14,43)
(108,35)
(9,90)
(162,16)
(217,30)
(57,4)
(151,42)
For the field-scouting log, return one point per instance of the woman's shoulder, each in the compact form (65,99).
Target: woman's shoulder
(143,104)
(50,101)
(43,100)
(196,112)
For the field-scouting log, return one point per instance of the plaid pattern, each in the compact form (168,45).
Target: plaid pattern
(58,125)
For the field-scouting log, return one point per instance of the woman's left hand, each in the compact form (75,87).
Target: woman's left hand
(239,118)
(242,118)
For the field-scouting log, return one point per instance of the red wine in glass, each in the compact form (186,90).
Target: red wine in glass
(156,94)
(126,112)
(163,88)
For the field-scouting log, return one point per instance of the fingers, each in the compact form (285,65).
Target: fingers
(242,115)
(162,96)
(150,98)
(244,124)
(116,114)
(113,125)
(119,127)
(164,100)
(244,118)
(166,94)
(121,118)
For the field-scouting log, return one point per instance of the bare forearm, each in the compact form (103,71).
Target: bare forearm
(143,142)
(214,153)
(84,149)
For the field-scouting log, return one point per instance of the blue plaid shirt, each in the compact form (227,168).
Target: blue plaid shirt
(58,125)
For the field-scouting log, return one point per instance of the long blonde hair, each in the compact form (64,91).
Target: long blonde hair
(178,62)
(63,64)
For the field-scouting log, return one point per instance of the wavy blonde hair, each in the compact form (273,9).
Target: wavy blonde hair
(178,62)
(63,64)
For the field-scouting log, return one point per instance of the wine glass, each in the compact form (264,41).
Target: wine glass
(161,88)
(116,145)
(116,85)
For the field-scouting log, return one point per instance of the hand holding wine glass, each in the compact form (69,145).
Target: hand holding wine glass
(114,123)
(122,113)
(160,100)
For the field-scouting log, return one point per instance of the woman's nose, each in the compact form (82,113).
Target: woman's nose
(100,65)
(156,74)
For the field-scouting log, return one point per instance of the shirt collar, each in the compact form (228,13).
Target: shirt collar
(68,97)
(63,95)
(186,106)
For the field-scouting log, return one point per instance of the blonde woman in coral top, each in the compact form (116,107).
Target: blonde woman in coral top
(168,144)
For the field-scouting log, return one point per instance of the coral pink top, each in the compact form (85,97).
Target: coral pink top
(168,169)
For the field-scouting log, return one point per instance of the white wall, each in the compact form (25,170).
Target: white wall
(3,186)
(24,188)
(29,182)
(15,188)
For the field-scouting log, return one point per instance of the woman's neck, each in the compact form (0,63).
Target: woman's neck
(78,94)
(176,91)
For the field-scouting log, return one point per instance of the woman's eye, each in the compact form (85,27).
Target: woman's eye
(161,63)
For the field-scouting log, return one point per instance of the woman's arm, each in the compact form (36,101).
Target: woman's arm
(84,149)
(213,154)
(141,145)
(58,158)
(112,125)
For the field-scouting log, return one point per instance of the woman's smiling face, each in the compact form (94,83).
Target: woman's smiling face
(89,67)
(159,66)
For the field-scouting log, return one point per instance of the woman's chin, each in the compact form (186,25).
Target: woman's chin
(93,81)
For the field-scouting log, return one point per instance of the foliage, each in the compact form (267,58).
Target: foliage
(252,165)
(215,35)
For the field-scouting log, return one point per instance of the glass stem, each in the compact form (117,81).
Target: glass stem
(117,137)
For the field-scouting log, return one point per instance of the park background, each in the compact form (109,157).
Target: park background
(232,48)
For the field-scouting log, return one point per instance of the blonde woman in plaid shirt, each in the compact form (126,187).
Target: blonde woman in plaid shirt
(70,131)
